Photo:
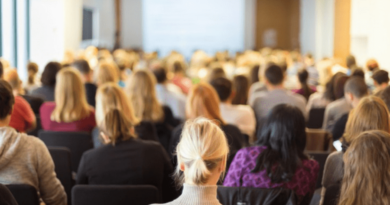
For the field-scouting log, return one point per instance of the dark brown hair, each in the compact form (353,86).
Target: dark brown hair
(7,99)
(241,86)
(49,74)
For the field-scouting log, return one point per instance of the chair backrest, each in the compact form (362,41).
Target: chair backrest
(37,128)
(252,196)
(62,163)
(6,197)
(318,140)
(114,194)
(320,157)
(316,118)
(76,142)
(24,194)
(332,195)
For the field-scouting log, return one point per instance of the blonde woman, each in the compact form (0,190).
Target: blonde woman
(140,88)
(367,177)
(370,114)
(107,71)
(203,101)
(201,161)
(70,112)
(111,96)
(126,160)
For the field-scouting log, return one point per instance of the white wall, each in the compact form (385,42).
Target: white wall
(132,23)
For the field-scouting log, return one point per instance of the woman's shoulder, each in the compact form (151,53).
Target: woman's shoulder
(311,164)
(252,151)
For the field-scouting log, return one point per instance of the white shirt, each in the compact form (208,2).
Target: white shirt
(241,116)
(171,98)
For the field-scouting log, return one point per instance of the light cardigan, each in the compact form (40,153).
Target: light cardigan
(197,195)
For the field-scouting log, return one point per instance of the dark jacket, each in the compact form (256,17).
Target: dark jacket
(90,91)
(165,128)
(44,92)
(130,162)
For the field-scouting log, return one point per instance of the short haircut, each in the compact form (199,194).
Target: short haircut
(82,66)
(1,70)
(223,86)
(385,96)
(381,76)
(274,74)
(358,73)
(7,99)
(356,86)
(303,75)
(161,74)
(48,77)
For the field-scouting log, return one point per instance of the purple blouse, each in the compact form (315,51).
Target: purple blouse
(303,181)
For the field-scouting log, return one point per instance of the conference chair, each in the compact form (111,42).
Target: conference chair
(37,128)
(62,162)
(318,140)
(6,197)
(249,196)
(316,118)
(114,195)
(76,142)
(24,194)
(332,195)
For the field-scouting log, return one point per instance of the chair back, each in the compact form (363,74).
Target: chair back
(252,196)
(37,128)
(62,162)
(76,142)
(114,194)
(24,194)
(318,140)
(316,118)
(332,195)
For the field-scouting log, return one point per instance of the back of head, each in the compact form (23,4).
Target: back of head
(381,76)
(351,61)
(70,98)
(161,74)
(202,149)
(338,87)
(366,176)
(82,66)
(303,75)
(49,74)
(285,138)
(372,65)
(116,126)
(215,73)
(274,74)
(223,86)
(241,87)
(203,101)
(110,96)
(329,87)
(12,77)
(32,69)
(385,96)
(178,67)
(370,114)
(106,72)
(255,74)
(356,86)
(7,99)
(358,72)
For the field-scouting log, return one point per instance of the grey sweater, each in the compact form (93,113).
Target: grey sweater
(26,160)
(197,195)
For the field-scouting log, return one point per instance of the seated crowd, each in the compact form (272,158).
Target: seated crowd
(163,123)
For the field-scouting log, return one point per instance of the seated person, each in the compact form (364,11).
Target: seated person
(366,178)
(70,112)
(201,160)
(23,117)
(278,160)
(86,75)
(48,80)
(124,159)
(25,159)
(305,89)
(241,86)
(240,115)
(381,80)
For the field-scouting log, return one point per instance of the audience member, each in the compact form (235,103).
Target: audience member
(105,72)
(111,96)
(351,64)
(240,115)
(254,74)
(277,94)
(171,97)
(381,80)
(22,117)
(201,161)
(385,96)
(305,89)
(87,76)
(32,82)
(125,159)
(370,114)
(257,87)
(367,178)
(241,86)
(70,112)
(339,107)
(215,73)
(313,74)
(25,159)
(278,160)
(180,79)
(358,72)
(372,66)
(48,80)
(1,70)
(355,89)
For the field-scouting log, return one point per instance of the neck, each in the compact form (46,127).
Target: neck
(383,86)
(355,102)
(275,87)
(4,123)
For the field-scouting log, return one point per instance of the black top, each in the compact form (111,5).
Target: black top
(6,197)
(131,162)
(339,127)
(44,92)
(164,128)
(90,91)
(35,102)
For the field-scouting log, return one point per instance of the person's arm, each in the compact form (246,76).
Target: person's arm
(333,172)
(82,177)
(50,188)
(339,127)
(234,173)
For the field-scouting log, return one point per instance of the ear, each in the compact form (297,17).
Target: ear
(349,97)
(182,167)
(106,139)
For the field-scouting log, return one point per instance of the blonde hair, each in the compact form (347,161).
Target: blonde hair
(116,126)
(202,147)
(203,101)
(111,96)
(367,170)
(370,114)
(107,71)
(140,88)
(70,99)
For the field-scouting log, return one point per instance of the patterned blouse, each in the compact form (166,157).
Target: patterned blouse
(302,183)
